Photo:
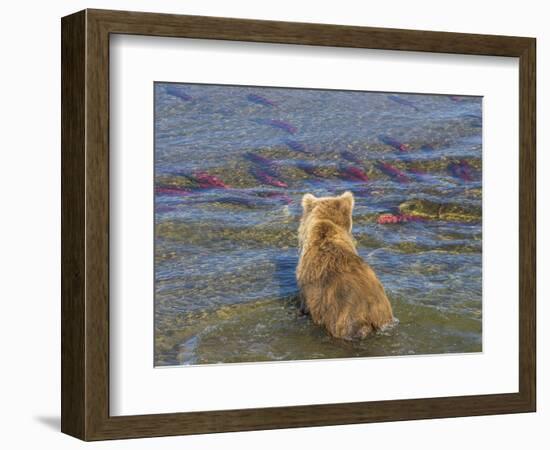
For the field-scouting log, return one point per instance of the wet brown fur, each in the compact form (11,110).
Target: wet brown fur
(338,289)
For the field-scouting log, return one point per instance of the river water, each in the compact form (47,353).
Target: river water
(231,165)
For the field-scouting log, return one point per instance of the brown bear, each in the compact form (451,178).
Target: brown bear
(338,289)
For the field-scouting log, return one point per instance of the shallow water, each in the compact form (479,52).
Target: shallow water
(226,247)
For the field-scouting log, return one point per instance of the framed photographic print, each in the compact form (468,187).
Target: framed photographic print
(271,224)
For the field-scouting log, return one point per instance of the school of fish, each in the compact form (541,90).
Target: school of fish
(351,168)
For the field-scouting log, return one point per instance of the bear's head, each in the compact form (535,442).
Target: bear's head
(335,209)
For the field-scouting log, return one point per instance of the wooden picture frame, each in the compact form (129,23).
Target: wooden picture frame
(85,224)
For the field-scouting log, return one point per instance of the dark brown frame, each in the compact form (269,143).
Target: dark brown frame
(85,224)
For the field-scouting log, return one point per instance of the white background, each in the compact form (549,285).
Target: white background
(30,241)
(136,387)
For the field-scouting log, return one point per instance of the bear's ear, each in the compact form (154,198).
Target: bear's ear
(347,198)
(307,202)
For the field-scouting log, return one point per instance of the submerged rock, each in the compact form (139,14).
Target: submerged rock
(440,211)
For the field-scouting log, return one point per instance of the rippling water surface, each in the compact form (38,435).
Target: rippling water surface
(231,164)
